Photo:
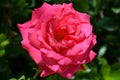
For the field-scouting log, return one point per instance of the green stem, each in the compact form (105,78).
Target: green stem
(36,74)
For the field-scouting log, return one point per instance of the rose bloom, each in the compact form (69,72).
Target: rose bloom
(59,39)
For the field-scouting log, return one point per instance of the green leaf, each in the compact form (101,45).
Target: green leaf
(2,37)
(115,75)
(95,3)
(115,66)
(107,24)
(4,43)
(102,51)
(81,5)
(52,77)
(13,79)
(116,10)
(3,40)
(105,71)
(22,77)
(102,60)
(115,71)
(30,78)
(2,52)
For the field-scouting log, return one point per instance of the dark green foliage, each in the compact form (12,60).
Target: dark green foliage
(15,63)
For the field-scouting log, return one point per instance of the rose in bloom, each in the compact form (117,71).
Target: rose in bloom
(59,39)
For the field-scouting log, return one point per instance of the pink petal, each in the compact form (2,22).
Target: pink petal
(92,55)
(34,53)
(86,29)
(24,29)
(33,38)
(45,71)
(84,18)
(85,58)
(80,48)
(80,52)
(94,39)
(50,60)
(50,54)
(40,11)
(69,70)
(65,61)
(41,39)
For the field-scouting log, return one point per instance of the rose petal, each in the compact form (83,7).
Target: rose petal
(43,44)
(86,29)
(33,52)
(81,47)
(45,71)
(84,18)
(33,38)
(50,59)
(92,55)
(24,29)
(69,70)
(49,54)
(65,61)
(39,11)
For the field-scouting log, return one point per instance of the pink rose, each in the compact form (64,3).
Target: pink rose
(59,39)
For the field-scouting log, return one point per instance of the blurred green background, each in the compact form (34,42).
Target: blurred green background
(15,63)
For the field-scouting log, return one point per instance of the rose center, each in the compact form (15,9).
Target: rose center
(59,34)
